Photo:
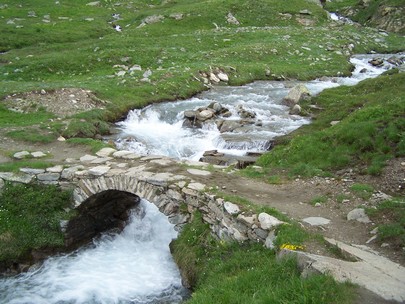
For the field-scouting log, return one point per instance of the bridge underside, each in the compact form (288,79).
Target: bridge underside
(109,209)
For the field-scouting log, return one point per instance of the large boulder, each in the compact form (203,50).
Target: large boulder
(296,94)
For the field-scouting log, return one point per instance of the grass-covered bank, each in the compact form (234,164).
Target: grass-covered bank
(369,129)
(73,44)
(222,272)
(30,217)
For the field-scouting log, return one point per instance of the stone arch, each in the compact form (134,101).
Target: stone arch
(103,211)
(97,201)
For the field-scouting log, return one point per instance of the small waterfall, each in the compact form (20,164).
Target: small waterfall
(134,267)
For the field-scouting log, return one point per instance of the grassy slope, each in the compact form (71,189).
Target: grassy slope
(231,273)
(371,130)
(76,52)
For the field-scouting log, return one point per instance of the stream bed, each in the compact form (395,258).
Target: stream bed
(159,129)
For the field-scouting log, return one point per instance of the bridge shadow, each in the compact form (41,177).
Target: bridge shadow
(103,211)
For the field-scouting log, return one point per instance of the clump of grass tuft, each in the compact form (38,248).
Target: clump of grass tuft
(95,145)
(30,218)
(319,200)
(390,219)
(362,190)
(16,165)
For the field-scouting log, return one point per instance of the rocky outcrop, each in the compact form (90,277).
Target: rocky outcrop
(386,17)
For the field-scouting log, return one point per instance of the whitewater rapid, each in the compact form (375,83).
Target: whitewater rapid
(158,129)
(134,267)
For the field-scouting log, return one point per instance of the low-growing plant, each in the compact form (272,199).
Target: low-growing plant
(30,218)
(227,272)
(362,190)
(319,200)
(15,166)
(390,218)
(95,145)
(32,135)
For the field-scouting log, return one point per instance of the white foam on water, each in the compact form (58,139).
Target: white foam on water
(158,129)
(134,266)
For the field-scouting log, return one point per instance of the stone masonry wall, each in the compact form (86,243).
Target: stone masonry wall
(178,196)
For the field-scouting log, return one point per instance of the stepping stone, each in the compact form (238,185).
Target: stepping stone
(38,154)
(21,155)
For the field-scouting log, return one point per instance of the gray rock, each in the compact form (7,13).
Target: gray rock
(153,19)
(69,173)
(196,186)
(214,78)
(316,221)
(48,177)
(231,19)
(99,170)
(94,3)
(358,214)
(87,158)
(176,16)
(105,152)
(32,171)
(249,220)
(231,208)
(38,154)
(268,221)
(296,94)
(198,172)
(223,77)
(21,154)
(55,169)
(18,178)
(1,184)
(269,242)
(205,114)
(296,109)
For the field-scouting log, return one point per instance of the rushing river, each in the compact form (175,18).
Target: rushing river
(132,267)
(158,129)
(136,266)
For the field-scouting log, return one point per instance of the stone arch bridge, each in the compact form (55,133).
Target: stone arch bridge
(107,185)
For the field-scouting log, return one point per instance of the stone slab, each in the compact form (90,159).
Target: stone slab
(316,221)
(198,172)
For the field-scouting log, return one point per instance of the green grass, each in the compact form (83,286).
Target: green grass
(9,118)
(31,135)
(362,190)
(390,218)
(371,131)
(95,145)
(16,165)
(74,52)
(29,219)
(224,272)
(319,200)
